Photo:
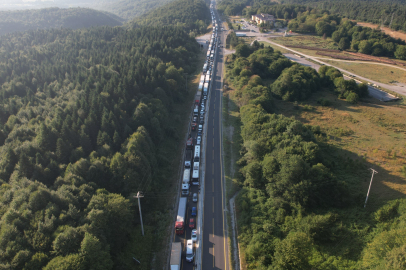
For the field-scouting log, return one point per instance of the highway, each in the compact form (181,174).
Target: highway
(215,254)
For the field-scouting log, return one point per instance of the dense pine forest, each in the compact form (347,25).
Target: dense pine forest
(74,18)
(194,16)
(87,119)
(299,206)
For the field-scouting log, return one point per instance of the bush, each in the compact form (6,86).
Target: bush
(352,98)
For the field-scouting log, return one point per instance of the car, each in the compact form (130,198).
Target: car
(194,119)
(202,121)
(192,223)
(194,197)
(194,235)
(198,141)
(200,128)
(194,211)
(205,97)
(199,133)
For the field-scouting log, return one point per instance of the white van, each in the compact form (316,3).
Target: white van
(189,251)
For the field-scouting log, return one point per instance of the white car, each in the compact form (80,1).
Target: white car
(198,140)
(194,197)
(194,236)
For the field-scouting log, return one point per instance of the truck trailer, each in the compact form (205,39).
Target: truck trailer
(176,256)
(180,219)
(205,88)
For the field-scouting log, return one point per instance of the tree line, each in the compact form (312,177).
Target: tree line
(348,35)
(388,13)
(251,67)
(298,193)
(47,18)
(87,118)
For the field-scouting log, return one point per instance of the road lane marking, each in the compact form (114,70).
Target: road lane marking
(213,256)
(212,184)
(212,168)
(213,205)
(213,154)
(213,234)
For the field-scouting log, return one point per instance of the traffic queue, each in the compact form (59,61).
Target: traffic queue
(192,166)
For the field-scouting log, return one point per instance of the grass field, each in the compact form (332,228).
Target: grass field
(276,48)
(380,73)
(372,130)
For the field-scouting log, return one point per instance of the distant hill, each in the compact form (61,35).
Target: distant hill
(129,9)
(192,15)
(74,18)
(125,9)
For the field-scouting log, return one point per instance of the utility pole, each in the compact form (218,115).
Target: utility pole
(138,196)
(370,184)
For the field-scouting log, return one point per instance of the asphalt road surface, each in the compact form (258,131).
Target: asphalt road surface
(214,247)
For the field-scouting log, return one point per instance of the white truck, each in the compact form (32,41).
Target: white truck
(176,256)
(186,176)
(189,251)
(205,88)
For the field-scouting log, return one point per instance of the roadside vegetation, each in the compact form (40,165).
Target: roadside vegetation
(303,172)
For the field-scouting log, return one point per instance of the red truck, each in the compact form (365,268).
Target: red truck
(189,143)
(194,125)
(180,219)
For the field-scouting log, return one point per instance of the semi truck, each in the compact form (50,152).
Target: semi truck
(180,219)
(185,189)
(176,256)
(198,96)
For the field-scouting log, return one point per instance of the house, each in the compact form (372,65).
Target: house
(263,18)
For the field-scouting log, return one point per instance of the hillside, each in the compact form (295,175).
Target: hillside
(192,15)
(87,118)
(74,18)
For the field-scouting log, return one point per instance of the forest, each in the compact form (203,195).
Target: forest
(87,118)
(47,18)
(299,206)
(194,16)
